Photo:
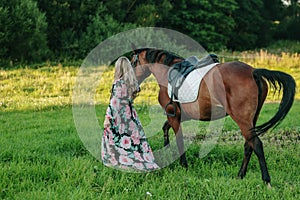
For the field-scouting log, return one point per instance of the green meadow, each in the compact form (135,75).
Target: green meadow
(42,156)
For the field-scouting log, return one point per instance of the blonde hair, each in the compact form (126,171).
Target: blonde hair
(124,70)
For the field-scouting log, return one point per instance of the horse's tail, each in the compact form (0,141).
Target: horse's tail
(279,81)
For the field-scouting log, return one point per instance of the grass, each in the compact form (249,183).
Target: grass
(27,88)
(42,156)
(46,86)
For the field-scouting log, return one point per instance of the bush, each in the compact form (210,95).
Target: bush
(280,46)
(24,29)
(101,27)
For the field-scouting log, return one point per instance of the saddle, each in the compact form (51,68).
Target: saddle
(179,71)
(207,60)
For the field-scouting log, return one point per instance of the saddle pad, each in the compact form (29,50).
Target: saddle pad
(188,92)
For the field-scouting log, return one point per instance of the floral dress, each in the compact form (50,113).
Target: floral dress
(124,144)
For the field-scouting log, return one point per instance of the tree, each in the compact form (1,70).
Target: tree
(101,26)
(23,28)
(289,26)
(68,20)
(5,25)
(77,26)
(273,10)
(250,25)
(208,22)
(142,13)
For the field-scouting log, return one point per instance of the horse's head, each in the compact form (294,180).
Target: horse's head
(140,64)
(143,59)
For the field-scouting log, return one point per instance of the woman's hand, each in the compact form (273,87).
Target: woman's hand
(106,123)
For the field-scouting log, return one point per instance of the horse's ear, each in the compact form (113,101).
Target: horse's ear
(133,47)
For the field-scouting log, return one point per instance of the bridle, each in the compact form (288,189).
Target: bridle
(136,60)
(136,52)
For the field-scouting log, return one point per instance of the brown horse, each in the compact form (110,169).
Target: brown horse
(233,88)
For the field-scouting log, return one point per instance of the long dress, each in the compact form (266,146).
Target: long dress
(124,144)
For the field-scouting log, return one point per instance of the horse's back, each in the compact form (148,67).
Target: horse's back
(235,69)
(225,87)
(241,89)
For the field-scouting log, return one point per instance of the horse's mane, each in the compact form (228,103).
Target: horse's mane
(154,55)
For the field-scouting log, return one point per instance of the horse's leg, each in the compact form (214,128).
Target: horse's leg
(166,127)
(258,150)
(244,110)
(180,145)
(247,147)
(255,144)
(247,155)
(175,123)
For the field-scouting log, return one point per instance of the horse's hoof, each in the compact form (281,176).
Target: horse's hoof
(241,175)
(269,185)
(167,145)
(185,165)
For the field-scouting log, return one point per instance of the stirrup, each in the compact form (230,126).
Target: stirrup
(170,114)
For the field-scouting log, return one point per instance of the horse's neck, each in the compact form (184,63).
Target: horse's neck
(160,72)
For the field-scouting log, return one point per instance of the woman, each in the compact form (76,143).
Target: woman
(124,144)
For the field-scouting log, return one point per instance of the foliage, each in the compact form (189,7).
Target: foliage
(67,20)
(293,20)
(142,13)
(23,31)
(58,30)
(249,24)
(288,28)
(100,27)
(284,46)
(208,22)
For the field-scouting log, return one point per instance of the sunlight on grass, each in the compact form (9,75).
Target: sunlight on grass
(27,88)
